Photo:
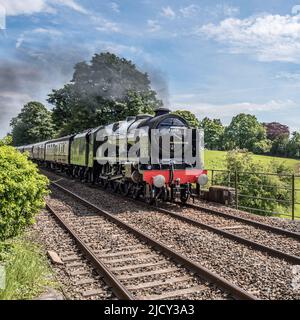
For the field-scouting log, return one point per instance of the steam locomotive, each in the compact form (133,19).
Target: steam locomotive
(151,157)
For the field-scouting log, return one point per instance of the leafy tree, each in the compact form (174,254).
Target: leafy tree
(106,90)
(275,130)
(262,147)
(260,193)
(213,133)
(293,147)
(243,132)
(22,191)
(33,124)
(280,145)
(189,117)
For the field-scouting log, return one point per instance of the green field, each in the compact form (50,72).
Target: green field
(216,160)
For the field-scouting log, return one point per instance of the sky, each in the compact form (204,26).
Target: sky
(214,58)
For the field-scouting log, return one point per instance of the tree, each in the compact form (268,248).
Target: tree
(279,146)
(262,147)
(259,193)
(275,129)
(189,117)
(106,90)
(293,147)
(33,124)
(22,191)
(213,133)
(243,132)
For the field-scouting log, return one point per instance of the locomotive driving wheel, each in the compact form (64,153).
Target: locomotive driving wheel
(114,185)
(103,183)
(125,188)
(149,195)
(136,192)
(184,194)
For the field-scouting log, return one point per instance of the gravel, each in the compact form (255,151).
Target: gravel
(106,238)
(280,242)
(51,236)
(284,223)
(256,272)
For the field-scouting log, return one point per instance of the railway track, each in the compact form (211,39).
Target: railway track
(254,223)
(254,270)
(134,264)
(79,279)
(285,243)
(240,230)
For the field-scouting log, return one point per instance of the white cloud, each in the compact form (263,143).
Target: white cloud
(230,11)
(268,37)
(20,40)
(115,7)
(168,12)
(72,5)
(52,32)
(31,35)
(153,25)
(107,26)
(18,7)
(227,111)
(289,76)
(117,48)
(189,11)
(21,7)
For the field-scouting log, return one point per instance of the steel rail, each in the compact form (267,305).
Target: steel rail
(117,287)
(261,225)
(245,220)
(204,273)
(271,251)
(274,252)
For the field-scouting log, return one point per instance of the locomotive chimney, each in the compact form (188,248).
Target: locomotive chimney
(161,111)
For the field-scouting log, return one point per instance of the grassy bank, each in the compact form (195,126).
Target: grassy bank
(217,160)
(27,270)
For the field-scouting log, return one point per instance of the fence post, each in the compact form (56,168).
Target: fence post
(212,177)
(236,190)
(293,197)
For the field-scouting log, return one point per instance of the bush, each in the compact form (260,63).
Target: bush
(265,193)
(22,191)
(262,147)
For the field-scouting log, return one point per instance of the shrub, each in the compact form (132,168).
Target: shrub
(22,191)
(265,193)
(262,147)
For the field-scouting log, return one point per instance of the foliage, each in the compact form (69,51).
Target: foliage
(6,141)
(279,146)
(256,189)
(27,271)
(262,147)
(275,129)
(213,133)
(293,147)
(243,132)
(189,117)
(33,124)
(22,191)
(107,90)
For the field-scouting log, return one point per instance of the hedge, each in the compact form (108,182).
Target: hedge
(22,192)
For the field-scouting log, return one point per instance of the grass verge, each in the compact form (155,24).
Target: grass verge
(27,269)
